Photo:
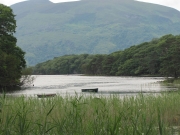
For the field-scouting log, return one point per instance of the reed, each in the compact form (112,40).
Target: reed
(87,115)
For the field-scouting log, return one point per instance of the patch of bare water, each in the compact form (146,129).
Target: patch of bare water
(71,84)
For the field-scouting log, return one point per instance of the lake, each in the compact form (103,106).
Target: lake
(71,84)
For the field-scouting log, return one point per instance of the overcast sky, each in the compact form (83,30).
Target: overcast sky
(170,3)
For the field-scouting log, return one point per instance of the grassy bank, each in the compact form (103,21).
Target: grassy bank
(80,115)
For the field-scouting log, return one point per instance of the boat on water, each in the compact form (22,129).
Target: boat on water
(45,95)
(90,90)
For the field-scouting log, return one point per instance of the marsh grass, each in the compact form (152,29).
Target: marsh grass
(89,115)
(172,81)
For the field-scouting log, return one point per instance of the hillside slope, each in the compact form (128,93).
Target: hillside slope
(159,57)
(46,30)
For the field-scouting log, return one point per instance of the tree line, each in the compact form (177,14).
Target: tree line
(12,62)
(160,57)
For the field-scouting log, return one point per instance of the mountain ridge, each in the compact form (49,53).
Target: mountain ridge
(46,30)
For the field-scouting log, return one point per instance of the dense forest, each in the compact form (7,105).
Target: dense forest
(158,57)
(12,62)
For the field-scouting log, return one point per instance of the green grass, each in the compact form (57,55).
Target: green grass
(172,82)
(89,115)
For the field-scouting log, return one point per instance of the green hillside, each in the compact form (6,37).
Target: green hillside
(157,57)
(46,30)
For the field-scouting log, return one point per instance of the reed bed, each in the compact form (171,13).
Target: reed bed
(91,115)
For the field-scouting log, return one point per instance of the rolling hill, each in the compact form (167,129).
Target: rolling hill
(46,30)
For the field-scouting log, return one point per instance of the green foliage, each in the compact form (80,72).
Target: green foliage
(50,30)
(170,58)
(91,115)
(12,59)
(7,22)
(157,57)
(67,64)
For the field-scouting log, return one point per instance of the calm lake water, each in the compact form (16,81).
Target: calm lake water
(71,84)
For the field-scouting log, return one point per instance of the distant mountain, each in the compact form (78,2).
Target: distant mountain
(46,30)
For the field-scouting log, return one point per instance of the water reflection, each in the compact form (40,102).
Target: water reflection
(63,84)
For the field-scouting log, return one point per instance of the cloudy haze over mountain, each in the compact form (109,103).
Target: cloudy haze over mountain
(170,3)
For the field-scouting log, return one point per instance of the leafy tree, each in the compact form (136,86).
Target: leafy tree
(12,60)
(95,65)
(107,64)
(170,65)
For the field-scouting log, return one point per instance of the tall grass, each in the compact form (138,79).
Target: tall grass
(89,115)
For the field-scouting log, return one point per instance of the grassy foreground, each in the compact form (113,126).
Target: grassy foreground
(89,115)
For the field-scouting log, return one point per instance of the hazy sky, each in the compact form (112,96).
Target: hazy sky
(170,3)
